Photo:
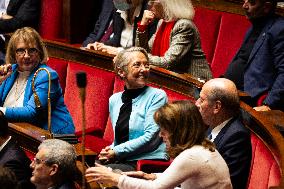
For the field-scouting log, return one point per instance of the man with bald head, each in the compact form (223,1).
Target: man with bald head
(219,106)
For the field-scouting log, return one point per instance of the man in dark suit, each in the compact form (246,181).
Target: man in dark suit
(219,107)
(258,67)
(13,157)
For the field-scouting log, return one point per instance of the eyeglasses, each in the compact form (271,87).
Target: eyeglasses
(150,3)
(38,161)
(138,65)
(22,51)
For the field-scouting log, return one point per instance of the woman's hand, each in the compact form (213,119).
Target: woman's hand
(141,175)
(5,71)
(110,50)
(148,17)
(106,155)
(103,175)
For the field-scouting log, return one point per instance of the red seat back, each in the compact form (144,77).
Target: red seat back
(265,171)
(99,89)
(51,19)
(231,34)
(208,23)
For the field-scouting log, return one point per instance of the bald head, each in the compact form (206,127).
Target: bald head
(225,91)
(222,84)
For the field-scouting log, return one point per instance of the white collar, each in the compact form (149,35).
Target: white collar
(217,129)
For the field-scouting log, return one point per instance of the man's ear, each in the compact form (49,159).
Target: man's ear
(217,106)
(53,169)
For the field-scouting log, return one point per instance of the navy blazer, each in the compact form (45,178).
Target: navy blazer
(24,12)
(14,158)
(264,71)
(118,25)
(102,23)
(234,144)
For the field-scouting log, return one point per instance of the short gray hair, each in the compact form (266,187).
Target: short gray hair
(61,153)
(122,59)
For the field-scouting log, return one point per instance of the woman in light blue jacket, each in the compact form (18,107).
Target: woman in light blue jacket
(131,112)
(27,54)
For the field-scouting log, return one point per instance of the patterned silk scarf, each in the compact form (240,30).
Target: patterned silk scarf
(162,39)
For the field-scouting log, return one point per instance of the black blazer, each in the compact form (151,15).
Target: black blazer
(14,158)
(109,13)
(234,144)
(24,12)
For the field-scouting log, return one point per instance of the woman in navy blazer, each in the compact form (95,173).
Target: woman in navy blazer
(17,102)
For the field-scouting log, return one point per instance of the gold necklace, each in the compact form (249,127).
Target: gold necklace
(19,94)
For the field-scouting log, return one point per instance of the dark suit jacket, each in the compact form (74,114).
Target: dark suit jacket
(264,71)
(118,25)
(24,12)
(102,23)
(234,144)
(14,158)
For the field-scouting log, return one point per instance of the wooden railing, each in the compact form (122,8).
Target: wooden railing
(264,124)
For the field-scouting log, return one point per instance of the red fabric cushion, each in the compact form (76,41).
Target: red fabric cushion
(99,89)
(50,19)
(231,34)
(208,23)
(174,96)
(152,166)
(29,154)
(60,66)
(265,171)
(95,143)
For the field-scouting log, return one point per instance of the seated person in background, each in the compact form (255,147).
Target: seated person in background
(27,53)
(13,157)
(54,165)
(197,164)
(219,106)
(124,22)
(176,44)
(131,113)
(15,14)
(8,179)
(258,67)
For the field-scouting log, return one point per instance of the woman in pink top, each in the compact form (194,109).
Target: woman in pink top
(197,164)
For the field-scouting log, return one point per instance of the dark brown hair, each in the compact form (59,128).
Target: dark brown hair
(183,122)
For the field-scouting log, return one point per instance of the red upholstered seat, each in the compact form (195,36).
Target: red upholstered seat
(99,89)
(265,171)
(50,19)
(60,66)
(231,34)
(208,23)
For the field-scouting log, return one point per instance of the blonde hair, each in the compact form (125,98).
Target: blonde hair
(29,36)
(177,9)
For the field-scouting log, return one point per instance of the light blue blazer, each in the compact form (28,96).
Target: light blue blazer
(61,121)
(144,141)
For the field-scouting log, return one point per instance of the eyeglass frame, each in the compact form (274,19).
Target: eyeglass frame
(22,51)
(38,161)
(151,2)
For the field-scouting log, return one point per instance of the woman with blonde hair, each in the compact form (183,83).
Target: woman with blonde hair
(176,44)
(197,164)
(26,54)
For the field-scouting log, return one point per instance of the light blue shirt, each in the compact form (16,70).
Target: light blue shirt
(144,141)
